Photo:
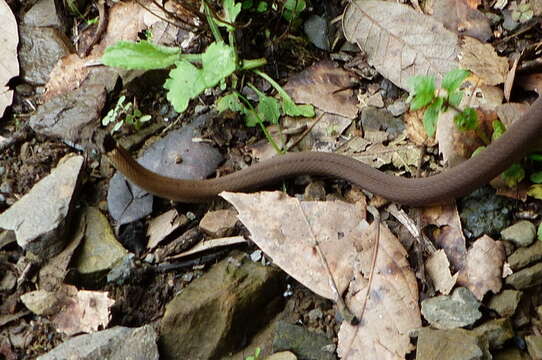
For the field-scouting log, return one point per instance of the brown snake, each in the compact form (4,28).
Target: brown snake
(453,183)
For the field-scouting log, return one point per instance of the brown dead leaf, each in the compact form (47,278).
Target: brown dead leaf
(163,225)
(82,311)
(9,63)
(483,267)
(399,42)
(392,309)
(510,77)
(482,60)
(510,112)
(459,17)
(326,87)
(125,23)
(415,130)
(449,235)
(284,228)
(438,269)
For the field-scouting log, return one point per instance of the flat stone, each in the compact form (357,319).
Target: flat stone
(443,344)
(306,344)
(497,332)
(448,312)
(526,278)
(511,354)
(41,218)
(219,223)
(45,13)
(521,234)
(283,355)
(118,343)
(534,346)
(506,302)
(100,250)
(523,257)
(214,314)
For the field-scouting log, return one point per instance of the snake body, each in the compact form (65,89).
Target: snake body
(452,183)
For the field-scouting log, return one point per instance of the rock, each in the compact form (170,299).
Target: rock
(216,313)
(448,312)
(444,345)
(497,332)
(523,257)
(317,30)
(380,119)
(526,278)
(522,233)
(100,250)
(398,108)
(39,51)
(483,212)
(41,218)
(41,302)
(283,355)
(506,302)
(315,191)
(305,344)
(118,343)
(534,346)
(511,354)
(8,280)
(219,223)
(45,13)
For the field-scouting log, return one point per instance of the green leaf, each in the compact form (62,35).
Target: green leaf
(422,91)
(229,102)
(292,109)
(513,175)
(536,177)
(453,80)
(430,116)
(262,7)
(455,98)
(247,4)
(231,11)
(535,157)
(141,55)
(292,9)
(186,81)
(269,109)
(498,129)
(466,120)
(252,118)
(536,192)
(478,150)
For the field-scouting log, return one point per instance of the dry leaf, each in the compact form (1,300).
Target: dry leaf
(399,42)
(449,235)
(9,63)
(510,80)
(532,82)
(415,129)
(438,269)
(459,17)
(82,311)
(210,244)
(392,309)
(483,267)
(162,226)
(279,225)
(326,87)
(482,60)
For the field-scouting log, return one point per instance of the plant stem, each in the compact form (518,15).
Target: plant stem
(212,23)
(275,84)
(260,123)
(253,63)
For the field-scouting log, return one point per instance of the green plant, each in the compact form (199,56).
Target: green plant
(192,74)
(255,356)
(293,8)
(124,113)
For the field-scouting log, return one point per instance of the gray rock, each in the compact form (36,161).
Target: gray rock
(216,313)
(42,217)
(497,332)
(305,344)
(506,302)
(523,257)
(398,108)
(522,233)
(534,346)
(448,312)
(40,49)
(316,29)
(100,250)
(118,343)
(453,344)
(219,223)
(511,354)
(526,278)
(283,355)
(380,119)
(45,13)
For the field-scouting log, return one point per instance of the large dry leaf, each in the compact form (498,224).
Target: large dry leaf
(484,267)
(392,309)
(438,269)
(459,17)
(482,60)
(9,63)
(400,42)
(286,228)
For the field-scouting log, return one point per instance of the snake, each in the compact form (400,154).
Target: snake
(455,182)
